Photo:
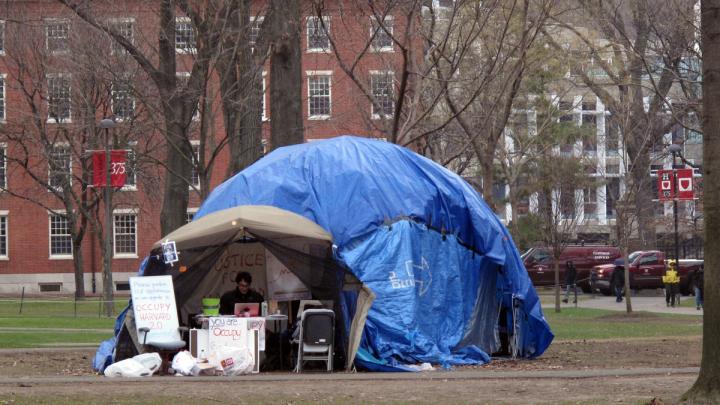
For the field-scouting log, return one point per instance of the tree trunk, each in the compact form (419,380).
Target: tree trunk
(488,177)
(626,255)
(241,90)
(286,117)
(176,194)
(556,262)
(643,201)
(707,387)
(79,269)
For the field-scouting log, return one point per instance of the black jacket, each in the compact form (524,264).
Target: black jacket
(232,297)
(570,275)
(618,277)
(698,279)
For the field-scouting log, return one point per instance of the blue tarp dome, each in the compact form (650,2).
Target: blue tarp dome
(447,277)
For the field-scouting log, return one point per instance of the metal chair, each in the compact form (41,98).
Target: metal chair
(316,339)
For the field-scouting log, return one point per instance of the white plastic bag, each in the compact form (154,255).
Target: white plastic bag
(184,362)
(127,368)
(232,360)
(151,361)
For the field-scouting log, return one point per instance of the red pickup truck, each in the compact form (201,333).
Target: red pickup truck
(646,270)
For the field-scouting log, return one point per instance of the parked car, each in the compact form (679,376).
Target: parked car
(539,263)
(646,270)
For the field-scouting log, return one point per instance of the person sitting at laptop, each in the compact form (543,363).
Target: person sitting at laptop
(243,293)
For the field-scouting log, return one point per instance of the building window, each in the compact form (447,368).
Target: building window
(2,95)
(190,215)
(124,27)
(612,139)
(381,34)
(57,33)
(2,37)
(124,234)
(319,102)
(184,35)
(589,125)
(195,174)
(567,202)
(317,34)
(3,234)
(3,166)
(60,239)
(58,98)
(123,103)
(612,194)
(263,105)
(567,118)
(383,94)
(254,33)
(590,202)
(60,167)
(183,79)
(131,167)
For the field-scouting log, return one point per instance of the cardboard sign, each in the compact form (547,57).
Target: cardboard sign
(154,304)
(666,185)
(227,331)
(685,184)
(282,284)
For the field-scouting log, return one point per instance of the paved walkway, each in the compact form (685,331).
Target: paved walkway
(639,303)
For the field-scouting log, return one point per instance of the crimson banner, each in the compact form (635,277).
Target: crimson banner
(118,169)
(685,184)
(666,185)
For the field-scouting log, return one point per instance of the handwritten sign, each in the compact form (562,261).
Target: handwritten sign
(227,331)
(283,285)
(154,303)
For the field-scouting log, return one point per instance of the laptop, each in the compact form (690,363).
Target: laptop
(247,309)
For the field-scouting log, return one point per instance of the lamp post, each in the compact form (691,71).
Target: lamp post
(107,124)
(675,150)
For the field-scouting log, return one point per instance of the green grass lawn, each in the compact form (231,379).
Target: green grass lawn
(584,323)
(9,340)
(57,307)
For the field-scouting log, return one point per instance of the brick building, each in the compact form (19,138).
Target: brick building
(60,77)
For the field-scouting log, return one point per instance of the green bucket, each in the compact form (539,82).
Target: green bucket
(211,306)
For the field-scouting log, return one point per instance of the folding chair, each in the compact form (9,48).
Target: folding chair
(165,343)
(316,338)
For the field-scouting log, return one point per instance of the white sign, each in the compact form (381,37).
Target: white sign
(154,303)
(227,331)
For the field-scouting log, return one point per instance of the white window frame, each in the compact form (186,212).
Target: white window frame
(4,177)
(255,23)
(189,211)
(188,50)
(115,48)
(70,167)
(317,73)
(186,77)
(50,119)
(327,34)
(129,95)
(6,215)
(114,230)
(196,156)
(390,73)
(391,29)
(3,77)
(52,256)
(132,146)
(265,115)
(2,37)
(57,21)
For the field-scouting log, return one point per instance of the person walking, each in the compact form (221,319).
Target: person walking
(672,283)
(618,282)
(570,281)
(699,284)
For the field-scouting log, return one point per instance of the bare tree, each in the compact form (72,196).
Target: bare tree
(706,389)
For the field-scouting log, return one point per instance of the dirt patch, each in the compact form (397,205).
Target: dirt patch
(581,355)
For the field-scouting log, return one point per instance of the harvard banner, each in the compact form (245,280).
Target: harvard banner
(666,185)
(685,184)
(118,170)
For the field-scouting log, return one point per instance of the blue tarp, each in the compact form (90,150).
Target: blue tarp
(440,262)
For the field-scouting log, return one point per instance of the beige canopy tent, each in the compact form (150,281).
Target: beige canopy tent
(303,246)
